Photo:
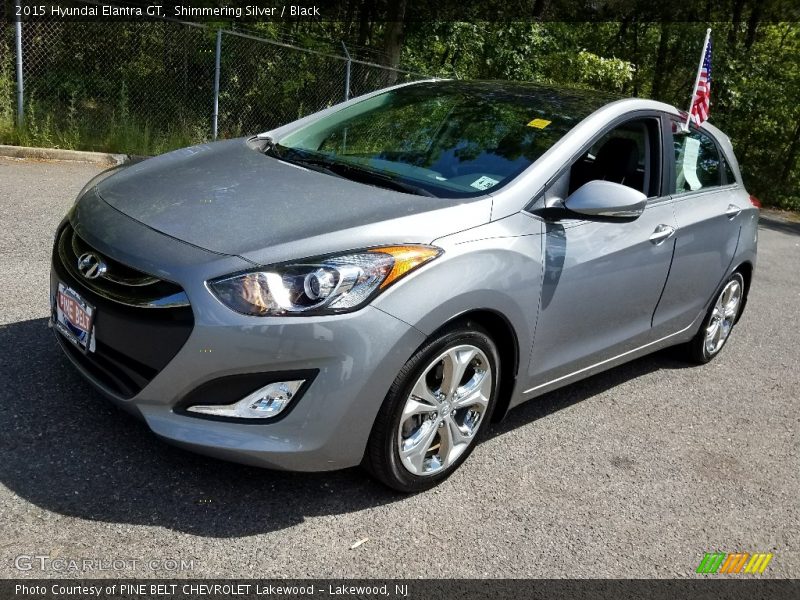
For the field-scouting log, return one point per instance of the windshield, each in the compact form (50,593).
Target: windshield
(446,139)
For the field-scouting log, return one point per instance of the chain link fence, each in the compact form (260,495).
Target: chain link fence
(7,85)
(148,87)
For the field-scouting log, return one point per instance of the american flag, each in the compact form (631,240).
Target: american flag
(701,101)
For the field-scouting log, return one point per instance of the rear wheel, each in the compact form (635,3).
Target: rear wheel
(719,321)
(435,411)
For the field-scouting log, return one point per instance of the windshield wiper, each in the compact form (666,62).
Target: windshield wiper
(320,166)
(346,170)
(381,179)
(269,142)
(314,165)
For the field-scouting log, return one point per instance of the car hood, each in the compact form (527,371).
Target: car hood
(230,198)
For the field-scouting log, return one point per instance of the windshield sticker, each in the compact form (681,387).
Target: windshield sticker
(484,183)
(539,123)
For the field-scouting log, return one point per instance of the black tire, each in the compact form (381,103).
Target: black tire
(382,457)
(697,350)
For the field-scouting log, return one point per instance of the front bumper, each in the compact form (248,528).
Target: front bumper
(355,356)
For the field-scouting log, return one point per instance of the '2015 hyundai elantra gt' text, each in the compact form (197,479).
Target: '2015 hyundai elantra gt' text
(374,283)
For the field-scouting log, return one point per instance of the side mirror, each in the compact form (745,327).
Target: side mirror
(599,198)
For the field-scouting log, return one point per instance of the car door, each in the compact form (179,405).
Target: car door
(602,277)
(708,226)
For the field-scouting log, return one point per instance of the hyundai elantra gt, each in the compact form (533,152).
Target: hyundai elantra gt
(374,283)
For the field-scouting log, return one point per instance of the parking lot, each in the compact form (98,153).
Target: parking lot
(633,473)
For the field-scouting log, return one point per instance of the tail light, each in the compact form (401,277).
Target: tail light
(755,201)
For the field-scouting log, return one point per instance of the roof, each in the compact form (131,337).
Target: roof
(563,99)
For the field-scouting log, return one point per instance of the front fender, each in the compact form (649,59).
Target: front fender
(501,275)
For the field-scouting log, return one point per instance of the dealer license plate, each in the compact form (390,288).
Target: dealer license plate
(75,318)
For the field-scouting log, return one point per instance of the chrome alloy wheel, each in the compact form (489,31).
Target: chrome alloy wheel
(444,410)
(723,316)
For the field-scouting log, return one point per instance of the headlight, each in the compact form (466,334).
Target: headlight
(328,285)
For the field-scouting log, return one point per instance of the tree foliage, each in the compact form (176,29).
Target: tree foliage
(755,88)
(162,83)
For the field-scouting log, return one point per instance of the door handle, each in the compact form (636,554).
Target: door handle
(661,234)
(732,211)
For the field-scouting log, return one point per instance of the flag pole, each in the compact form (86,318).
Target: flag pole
(697,79)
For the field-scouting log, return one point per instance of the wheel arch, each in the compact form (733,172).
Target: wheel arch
(746,269)
(504,335)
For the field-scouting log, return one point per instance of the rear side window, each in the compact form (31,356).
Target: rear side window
(697,162)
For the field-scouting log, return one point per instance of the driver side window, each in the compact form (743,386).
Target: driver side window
(629,154)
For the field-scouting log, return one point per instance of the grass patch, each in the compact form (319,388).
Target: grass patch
(75,129)
(76,123)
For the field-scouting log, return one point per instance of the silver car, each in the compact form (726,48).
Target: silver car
(373,284)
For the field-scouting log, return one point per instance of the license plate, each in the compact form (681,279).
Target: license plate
(75,318)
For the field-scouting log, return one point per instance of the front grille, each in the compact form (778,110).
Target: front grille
(141,322)
(120,282)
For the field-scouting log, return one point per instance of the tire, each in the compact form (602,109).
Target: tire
(719,321)
(417,442)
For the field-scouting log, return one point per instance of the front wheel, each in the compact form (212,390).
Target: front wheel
(435,410)
(719,321)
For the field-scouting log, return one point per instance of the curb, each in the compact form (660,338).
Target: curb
(784,216)
(100,158)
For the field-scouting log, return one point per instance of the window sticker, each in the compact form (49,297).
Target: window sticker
(691,152)
(539,123)
(484,183)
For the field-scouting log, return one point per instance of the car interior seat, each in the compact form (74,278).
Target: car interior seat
(617,161)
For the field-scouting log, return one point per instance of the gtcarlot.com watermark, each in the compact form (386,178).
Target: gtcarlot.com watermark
(61,564)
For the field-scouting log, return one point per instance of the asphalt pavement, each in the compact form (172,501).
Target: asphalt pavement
(636,472)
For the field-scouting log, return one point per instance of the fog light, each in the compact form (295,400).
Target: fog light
(265,403)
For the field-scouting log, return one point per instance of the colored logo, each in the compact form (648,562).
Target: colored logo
(737,562)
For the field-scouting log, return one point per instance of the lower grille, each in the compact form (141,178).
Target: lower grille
(133,343)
